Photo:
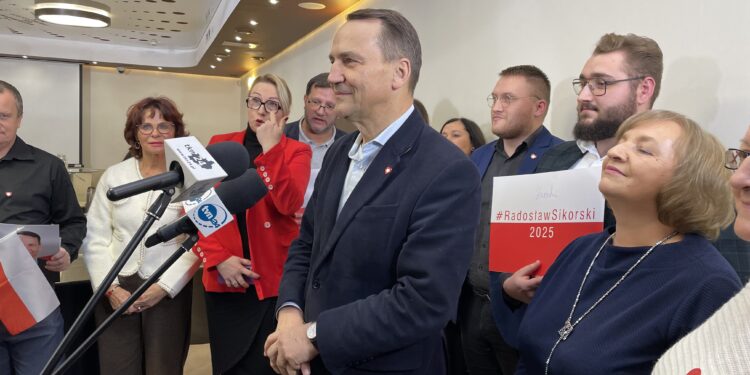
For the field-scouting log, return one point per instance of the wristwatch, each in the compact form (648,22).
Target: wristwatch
(312,334)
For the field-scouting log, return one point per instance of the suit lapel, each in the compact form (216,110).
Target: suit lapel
(386,165)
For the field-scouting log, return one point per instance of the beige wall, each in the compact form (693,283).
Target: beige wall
(210,105)
(465,44)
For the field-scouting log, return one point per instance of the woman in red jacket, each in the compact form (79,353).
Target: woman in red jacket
(243,261)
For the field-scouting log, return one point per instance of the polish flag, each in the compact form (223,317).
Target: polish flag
(26,297)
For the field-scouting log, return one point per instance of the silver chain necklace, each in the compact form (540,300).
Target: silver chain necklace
(568,327)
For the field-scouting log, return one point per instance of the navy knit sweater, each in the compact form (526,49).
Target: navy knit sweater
(671,292)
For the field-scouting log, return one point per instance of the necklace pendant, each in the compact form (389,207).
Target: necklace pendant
(565,331)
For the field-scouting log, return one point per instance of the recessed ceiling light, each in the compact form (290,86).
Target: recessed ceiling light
(252,45)
(273,2)
(95,62)
(311,6)
(160,68)
(237,38)
(227,50)
(25,57)
(213,66)
(253,22)
(73,13)
(219,59)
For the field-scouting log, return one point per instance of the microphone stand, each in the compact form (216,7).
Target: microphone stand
(185,247)
(152,215)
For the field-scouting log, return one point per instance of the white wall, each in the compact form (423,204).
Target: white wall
(466,44)
(210,105)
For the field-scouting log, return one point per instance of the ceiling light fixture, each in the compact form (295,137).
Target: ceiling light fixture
(253,23)
(213,66)
(160,68)
(25,57)
(311,6)
(95,62)
(227,50)
(238,38)
(252,45)
(273,2)
(83,13)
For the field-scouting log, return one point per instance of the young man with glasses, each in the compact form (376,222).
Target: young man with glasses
(316,128)
(518,103)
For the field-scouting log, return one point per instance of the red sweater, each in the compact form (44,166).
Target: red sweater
(285,169)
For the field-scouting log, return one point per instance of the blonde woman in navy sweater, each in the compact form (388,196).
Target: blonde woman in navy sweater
(614,301)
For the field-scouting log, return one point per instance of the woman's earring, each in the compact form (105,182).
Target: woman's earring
(137,146)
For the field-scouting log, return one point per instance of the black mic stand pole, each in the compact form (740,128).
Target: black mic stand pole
(185,247)
(152,215)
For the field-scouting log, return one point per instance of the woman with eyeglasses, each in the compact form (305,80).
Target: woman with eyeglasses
(721,345)
(613,302)
(153,335)
(243,261)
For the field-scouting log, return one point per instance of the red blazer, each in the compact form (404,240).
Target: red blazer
(271,228)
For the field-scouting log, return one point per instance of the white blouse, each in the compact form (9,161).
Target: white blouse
(111,225)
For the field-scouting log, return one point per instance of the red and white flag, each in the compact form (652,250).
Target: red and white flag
(26,297)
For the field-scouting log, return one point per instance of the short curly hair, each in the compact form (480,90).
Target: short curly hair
(697,199)
(146,107)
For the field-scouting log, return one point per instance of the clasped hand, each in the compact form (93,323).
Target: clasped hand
(288,349)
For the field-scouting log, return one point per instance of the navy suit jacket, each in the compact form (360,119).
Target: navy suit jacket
(291,130)
(482,157)
(383,278)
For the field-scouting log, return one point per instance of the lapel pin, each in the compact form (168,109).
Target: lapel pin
(533,156)
(8,194)
(388,169)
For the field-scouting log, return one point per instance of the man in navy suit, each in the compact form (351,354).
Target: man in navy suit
(518,103)
(386,237)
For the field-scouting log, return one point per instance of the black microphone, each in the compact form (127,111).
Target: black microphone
(237,195)
(231,156)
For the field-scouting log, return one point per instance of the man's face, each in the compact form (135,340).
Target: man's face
(32,244)
(9,119)
(362,80)
(599,117)
(318,116)
(516,118)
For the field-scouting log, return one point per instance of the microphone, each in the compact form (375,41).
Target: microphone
(238,195)
(192,166)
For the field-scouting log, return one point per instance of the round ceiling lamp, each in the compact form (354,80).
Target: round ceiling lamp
(83,13)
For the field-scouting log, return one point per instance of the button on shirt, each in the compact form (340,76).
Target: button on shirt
(362,155)
(501,165)
(590,157)
(318,152)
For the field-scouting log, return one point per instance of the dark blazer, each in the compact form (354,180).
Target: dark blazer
(542,143)
(539,150)
(383,278)
(291,130)
(560,158)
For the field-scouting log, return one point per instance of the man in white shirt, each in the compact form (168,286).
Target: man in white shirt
(316,128)
(620,79)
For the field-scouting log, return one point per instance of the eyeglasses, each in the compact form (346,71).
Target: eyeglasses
(271,106)
(506,99)
(598,86)
(733,158)
(162,128)
(319,105)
